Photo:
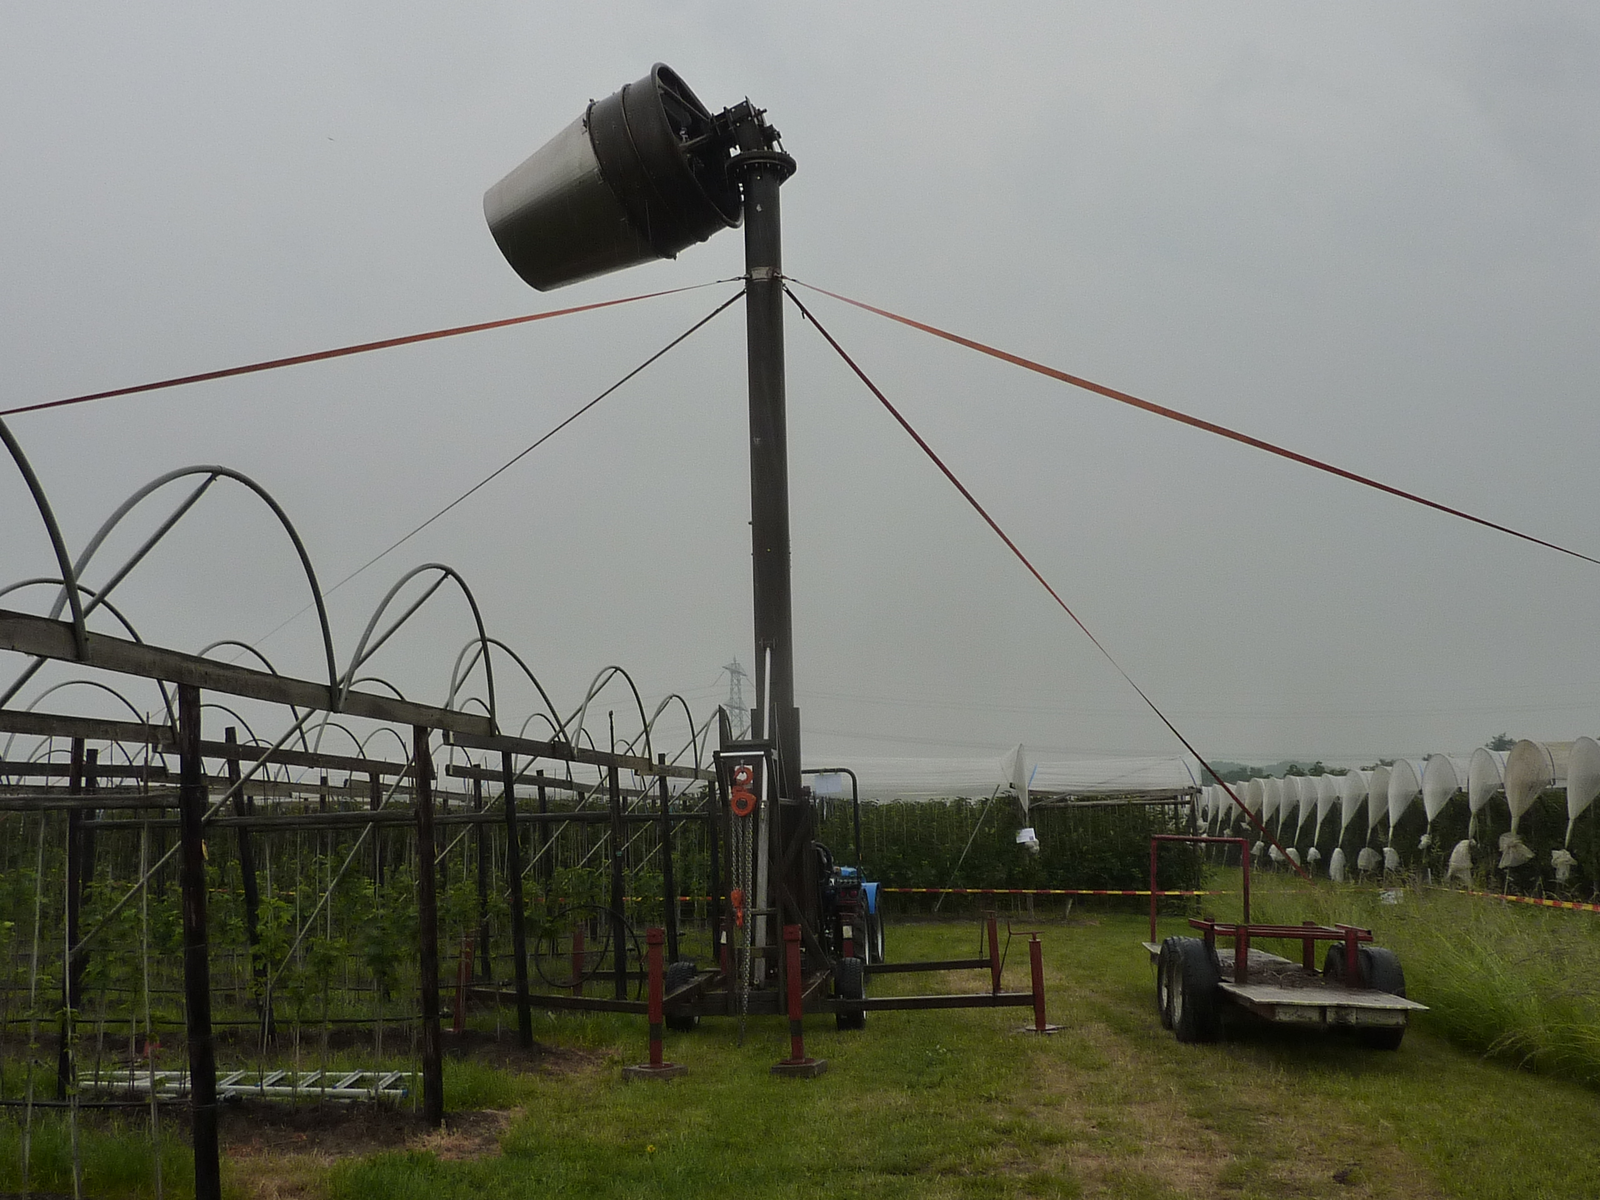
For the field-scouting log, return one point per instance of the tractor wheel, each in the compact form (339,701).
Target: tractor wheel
(874,948)
(678,974)
(1196,1003)
(850,983)
(1164,964)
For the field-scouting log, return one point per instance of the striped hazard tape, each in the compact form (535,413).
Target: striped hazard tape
(1540,901)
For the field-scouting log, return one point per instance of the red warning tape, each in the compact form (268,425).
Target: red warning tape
(1173,414)
(343,351)
(1045,891)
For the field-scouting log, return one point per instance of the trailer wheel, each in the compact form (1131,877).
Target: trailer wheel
(1380,970)
(1164,965)
(850,983)
(1196,1010)
(875,938)
(678,974)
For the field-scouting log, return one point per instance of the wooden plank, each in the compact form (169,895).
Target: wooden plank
(969,1000)
(1320,995)
(90,729)
(561,752)
(303,758)
(950,964)
(42,637)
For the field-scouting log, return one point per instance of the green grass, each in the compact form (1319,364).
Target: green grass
(1514,983)
(959,1104)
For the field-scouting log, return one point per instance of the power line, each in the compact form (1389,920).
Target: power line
(510,462)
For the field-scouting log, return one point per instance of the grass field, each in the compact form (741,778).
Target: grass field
(960,1104)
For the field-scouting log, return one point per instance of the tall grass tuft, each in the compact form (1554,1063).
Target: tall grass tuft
(1514,984)
(118,1160)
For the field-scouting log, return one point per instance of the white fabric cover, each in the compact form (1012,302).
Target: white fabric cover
(1327,799)
(1377,796)
(1443,775)
(1308,786)
(1460,866)
(1405,784)
(1531,767)
(1272,798)
(1486,775)
(1352,796)
(1336,865)
(1368,859)
(1583,780)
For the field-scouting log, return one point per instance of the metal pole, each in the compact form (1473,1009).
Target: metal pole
(482,948)
(252,893)
(619,953)
(669,886)
(196,952)
(763,172)
(519,923)
(72,975)
(428,931)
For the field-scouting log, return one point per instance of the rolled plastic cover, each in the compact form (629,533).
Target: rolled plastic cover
(1405,785)
(1532,767)
(1486,775)
(635,178)
(1583,780)
(1443,775)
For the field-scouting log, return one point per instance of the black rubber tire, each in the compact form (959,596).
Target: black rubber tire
(850,983)
(1380,970)
(875,934)
(1164,965)
(1195,998)
(679,973)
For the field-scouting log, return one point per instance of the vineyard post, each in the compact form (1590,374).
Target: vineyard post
(619,845)
(669,887)
(519,920)
(72,971)
(428,930)
(196,951)
(252,893)
(482,831)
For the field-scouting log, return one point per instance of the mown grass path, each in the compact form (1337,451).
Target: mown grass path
(959,1104)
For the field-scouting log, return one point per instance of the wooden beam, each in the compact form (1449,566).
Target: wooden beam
(44,638)
(562,752)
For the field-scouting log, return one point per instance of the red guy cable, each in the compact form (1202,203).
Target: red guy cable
(1034,571)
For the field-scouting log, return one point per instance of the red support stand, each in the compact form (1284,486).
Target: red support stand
(994,950)
(1036,974)
(797,1065)
(656,1068)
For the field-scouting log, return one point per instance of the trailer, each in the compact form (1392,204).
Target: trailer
(1360,987)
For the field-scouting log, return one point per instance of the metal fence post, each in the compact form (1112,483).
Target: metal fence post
(196,952)
(428,930)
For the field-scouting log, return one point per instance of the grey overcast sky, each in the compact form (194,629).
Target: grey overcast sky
(1365,230)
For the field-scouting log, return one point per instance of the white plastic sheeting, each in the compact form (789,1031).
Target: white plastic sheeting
(1405,785)
(1377,797)
(1255,796)
(1532,767)
(1272,799)
(1336,865)
(1327,799)
(1309,791)
(1443,775)
(1486,775)
(1583,780)
(1352,796)
(936,778)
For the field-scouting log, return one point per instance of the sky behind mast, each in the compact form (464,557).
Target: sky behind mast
(1366,231)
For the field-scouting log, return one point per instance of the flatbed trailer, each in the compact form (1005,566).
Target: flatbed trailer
(1359,987)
